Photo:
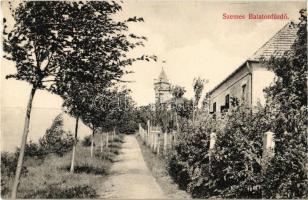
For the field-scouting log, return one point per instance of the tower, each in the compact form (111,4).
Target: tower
(162,88)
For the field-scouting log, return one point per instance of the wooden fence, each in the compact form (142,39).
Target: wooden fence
(106,138)
(154,138)
(161,143)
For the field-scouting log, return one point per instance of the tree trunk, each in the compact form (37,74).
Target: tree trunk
(23,144)
(193,117)
(74,147)
(102,142)
(107,140)
(92,142)
(177,123)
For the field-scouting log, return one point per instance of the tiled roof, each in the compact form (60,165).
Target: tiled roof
(278,44)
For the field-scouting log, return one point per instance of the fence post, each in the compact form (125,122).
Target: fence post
(165,144)
(148,132)
(213,138)
(153,139)
(107,139)
(158,143)
(114,133)
(268,147)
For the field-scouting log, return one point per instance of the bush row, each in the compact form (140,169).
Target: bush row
(235,168)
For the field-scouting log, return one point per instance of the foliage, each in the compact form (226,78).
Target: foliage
(145,113)
(86,141)
(8,168)
(37,41)
(189,162)
(198,86)
(235,167)
(122,112)
(237,160)
(82,192)
(185,108)
(33,149)
(49,176)
(56,140)
(164,117)
(286,175)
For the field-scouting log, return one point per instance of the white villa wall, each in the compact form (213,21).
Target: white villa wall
(261,78)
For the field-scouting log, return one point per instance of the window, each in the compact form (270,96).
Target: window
(244,93)
(227,101)
(214,107)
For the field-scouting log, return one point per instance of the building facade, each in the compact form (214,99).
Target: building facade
(247,82)
(162,89)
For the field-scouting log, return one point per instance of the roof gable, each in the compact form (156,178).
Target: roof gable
(278,44)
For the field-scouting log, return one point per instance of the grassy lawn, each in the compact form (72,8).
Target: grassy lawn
(50,177)
(158,166)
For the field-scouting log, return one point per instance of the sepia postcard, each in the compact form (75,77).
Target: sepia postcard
(154,99)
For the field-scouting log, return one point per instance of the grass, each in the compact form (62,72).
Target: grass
(50,177)
(158,166)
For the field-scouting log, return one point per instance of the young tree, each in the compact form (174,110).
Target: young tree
(75,102)
(177,94)
(36,44)
(99,53)
(145,113)
(50,39)
(96,110)
(198,86)
(121,112)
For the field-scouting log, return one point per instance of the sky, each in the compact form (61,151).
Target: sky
(194,40)
(191,36)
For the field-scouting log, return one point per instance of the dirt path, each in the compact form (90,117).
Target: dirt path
(130,177)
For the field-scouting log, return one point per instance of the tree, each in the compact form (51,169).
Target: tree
(122,112)
(145,113)
(99,55)
(36,43)
(177,94)
(286,175)
(198,86)
(52,44)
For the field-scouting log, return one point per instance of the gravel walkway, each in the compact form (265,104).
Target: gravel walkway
(130,178)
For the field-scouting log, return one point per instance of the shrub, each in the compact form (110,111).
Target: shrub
(57,192)
(189,162)
(56,140)
(8,169)
(286,175)
(237,159)
(33,149)
(87,141)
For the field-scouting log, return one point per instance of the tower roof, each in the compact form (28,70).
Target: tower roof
(162,76)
